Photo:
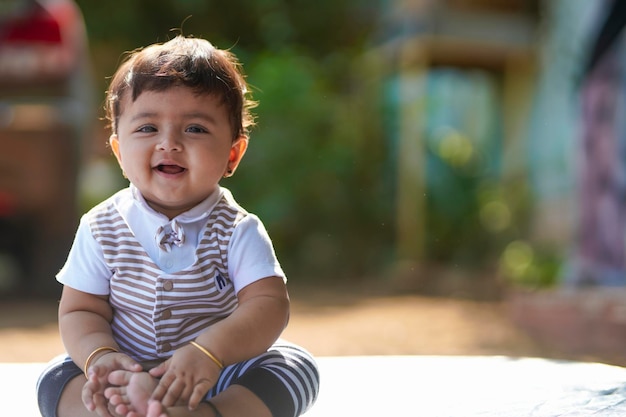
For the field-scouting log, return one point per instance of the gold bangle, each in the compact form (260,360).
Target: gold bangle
(218,362)
(94,353)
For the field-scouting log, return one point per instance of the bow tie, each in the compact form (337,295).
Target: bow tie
(170,234)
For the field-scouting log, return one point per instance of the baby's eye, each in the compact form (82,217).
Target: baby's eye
(146,129)
(196,129)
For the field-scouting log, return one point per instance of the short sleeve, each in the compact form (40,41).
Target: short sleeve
(85,268)
(251,255)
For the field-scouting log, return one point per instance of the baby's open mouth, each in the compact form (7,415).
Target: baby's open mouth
(170,169)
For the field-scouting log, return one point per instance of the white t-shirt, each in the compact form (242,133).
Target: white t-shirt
(251,255)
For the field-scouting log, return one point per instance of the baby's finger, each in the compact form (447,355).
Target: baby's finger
(102,406)
(87,393)
(163,387)
(95,371)
(87,397)
(159,370)
(129,364)
(199,391)
(173,393)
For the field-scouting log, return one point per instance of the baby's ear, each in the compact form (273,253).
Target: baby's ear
(237,150)
(114,143)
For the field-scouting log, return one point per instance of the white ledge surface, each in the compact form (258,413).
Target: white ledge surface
(429,386)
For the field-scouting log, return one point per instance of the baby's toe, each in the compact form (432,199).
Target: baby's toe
(119,377)
(110,392)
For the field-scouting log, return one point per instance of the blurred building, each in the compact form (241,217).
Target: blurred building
(600,251)
(46,114)
(503,140)
(462,79)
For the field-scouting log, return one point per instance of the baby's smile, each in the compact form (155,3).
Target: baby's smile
(170,169)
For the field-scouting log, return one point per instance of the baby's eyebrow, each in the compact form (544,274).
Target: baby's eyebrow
(143,115)
(201,115)
(192,115)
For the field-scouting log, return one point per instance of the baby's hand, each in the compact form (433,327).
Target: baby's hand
(186,377)
(98,374)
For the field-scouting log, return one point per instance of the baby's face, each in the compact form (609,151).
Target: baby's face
(175,146)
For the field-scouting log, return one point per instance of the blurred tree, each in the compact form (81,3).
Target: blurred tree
(319,29)
(315,171)
(321,168)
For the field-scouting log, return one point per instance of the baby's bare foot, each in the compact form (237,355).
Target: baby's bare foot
(131,392)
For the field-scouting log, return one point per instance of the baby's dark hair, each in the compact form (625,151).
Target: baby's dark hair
(183,61)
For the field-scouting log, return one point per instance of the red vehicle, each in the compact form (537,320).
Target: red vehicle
(45,112)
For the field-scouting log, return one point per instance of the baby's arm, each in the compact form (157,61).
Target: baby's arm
(260,318)
(84,323)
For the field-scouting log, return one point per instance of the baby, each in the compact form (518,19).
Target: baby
(173,299)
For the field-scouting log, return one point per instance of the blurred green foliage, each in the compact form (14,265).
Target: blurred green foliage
(530,267)
(319,29)
(315,169)
(320,168)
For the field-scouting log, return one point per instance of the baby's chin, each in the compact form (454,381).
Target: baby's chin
(169,209)
(173,208)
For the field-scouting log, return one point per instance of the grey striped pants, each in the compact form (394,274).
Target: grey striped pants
(285,378)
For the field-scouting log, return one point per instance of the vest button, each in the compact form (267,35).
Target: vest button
(166,347)
(168,285)
(166,314)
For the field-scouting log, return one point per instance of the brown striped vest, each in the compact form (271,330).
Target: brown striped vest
(155,312)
